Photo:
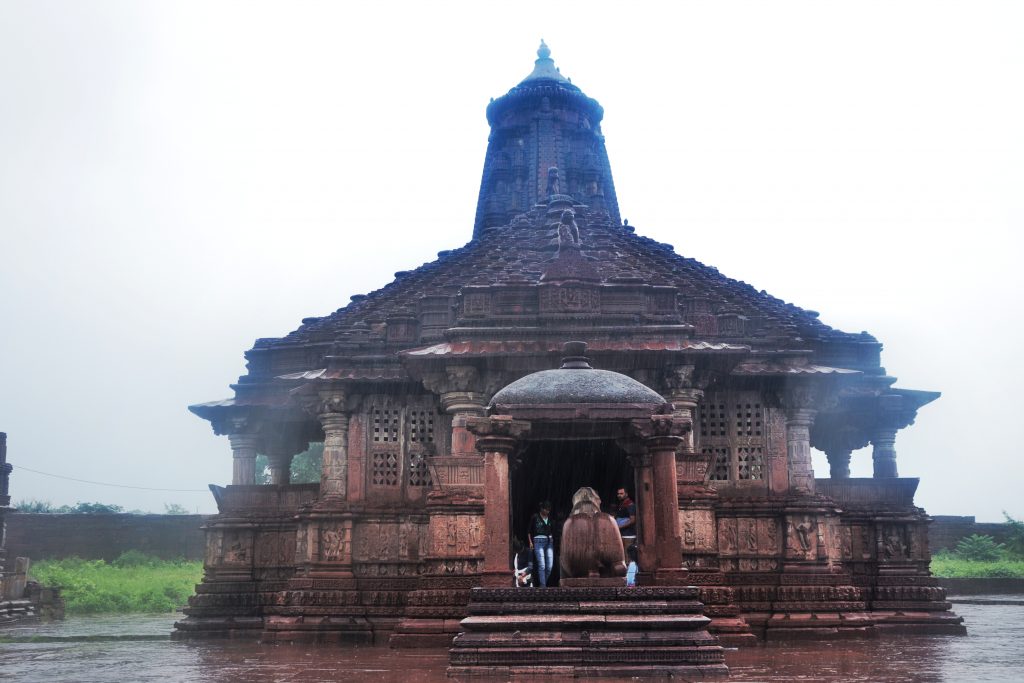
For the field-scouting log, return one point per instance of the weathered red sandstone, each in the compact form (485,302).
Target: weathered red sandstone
(706,400)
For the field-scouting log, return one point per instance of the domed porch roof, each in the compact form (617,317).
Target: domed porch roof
(577,391)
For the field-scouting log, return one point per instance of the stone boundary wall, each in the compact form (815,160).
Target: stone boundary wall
(104,536)
(983,586)
(947,530)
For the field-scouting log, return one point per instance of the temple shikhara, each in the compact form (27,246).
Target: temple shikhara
(559,349)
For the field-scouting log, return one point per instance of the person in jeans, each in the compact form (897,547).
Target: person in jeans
(625,514)
(542,541)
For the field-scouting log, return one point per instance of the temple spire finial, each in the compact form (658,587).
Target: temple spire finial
(544,67)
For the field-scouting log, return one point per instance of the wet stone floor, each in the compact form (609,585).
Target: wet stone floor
(138,648)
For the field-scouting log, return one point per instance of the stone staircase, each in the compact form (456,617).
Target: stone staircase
(587,632)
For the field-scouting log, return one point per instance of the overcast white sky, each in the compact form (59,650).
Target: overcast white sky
(178,179)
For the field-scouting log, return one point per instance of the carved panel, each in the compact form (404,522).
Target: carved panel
(894,542)
(237,549)
(476,304)
(728,538)
(275,548)
(768,533)
(801,537)
(699,530)
(334,543)
(562,299)
(456,535)
(747,536)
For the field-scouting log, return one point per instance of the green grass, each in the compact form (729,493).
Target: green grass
(950,566)
(132,583)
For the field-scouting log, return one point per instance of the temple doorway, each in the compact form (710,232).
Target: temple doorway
(554,470)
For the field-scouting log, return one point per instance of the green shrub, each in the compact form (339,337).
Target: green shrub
(980,548)
(134,582)
(950,566)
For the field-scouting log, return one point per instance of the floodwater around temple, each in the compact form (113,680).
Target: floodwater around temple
(138,648)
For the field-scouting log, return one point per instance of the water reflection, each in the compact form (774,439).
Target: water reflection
(136,649)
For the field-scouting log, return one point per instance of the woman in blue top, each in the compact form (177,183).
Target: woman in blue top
(542,541)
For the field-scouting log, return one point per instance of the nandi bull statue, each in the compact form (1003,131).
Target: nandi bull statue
(591,543)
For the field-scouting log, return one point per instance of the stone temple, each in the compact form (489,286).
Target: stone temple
(446,413)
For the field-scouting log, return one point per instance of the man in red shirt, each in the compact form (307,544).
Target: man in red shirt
(625,514)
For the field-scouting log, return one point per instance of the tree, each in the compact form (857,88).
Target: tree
(1015,535)
(980,548)
(39,507)
(175,509)
(305,467)
(96,508)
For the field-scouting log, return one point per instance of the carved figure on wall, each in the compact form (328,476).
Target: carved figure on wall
(236,553)
(729,541)
(846,543)
(403,540)
(688,532)
(380,543)
(553,185)
(750,533)
(476,535)
(452,535)
(591,544)
(332,544)
(803,534)
(893,546)
(772,534)
(300,545)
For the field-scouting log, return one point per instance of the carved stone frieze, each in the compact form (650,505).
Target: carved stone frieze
(569,298)
(456,536)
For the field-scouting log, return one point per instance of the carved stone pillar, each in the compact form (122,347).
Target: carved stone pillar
(496,438)
(684,398)
(658,493)
(839,434)
(463,406)
(798,449)
(280,444)
(243,448)
(839,463)
(643,482)
(280,465)
(334,420)
(883,453)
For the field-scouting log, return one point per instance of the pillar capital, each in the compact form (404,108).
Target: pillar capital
(464,403)
(662,432)
(243,450)
(243,441)
(327,402)
(498,434)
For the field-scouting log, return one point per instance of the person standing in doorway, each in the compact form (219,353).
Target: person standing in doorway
(542,541)
(625,515)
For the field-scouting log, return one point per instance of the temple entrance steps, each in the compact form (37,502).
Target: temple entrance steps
(587,632)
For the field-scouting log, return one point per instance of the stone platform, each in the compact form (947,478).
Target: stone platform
(587,632)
